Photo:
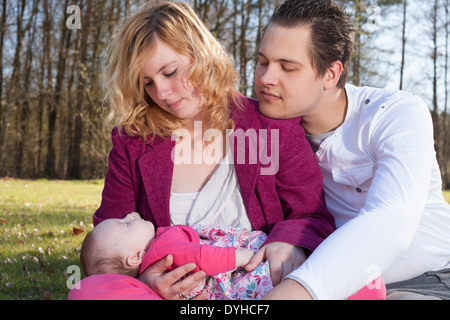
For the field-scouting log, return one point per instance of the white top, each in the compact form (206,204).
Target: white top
(383,185)
(219,201)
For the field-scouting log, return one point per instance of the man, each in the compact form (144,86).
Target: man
(376,151)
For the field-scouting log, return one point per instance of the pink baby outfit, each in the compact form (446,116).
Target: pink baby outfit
(201,245)
(183,243)
(111,287)
(212,248)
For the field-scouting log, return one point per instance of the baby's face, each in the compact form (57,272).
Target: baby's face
(131,231)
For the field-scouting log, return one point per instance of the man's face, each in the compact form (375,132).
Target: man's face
(286,84)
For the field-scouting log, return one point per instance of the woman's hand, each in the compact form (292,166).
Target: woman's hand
(166,284)
(283,259)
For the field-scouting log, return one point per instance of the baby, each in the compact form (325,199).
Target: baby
(128,246)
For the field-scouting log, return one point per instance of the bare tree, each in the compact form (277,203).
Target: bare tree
(434,58)
(2,40)
(445,124)
(75,151)
(23,102)
(402,63)
(51,95)
(13,91)
(50,102)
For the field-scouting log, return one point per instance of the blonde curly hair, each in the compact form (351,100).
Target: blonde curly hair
(211,71)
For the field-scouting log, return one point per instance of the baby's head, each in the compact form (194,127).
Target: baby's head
(117,246)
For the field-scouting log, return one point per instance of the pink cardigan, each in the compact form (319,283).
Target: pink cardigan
(183,243)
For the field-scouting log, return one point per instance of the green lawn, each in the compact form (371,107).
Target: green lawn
(38,242)
(447,195)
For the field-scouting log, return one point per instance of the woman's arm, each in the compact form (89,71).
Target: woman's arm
(299,183)
(118,197)
(306,221)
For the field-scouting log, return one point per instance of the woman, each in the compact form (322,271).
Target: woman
(171,87)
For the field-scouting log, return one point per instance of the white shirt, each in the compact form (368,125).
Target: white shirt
(383,186)
(219,202)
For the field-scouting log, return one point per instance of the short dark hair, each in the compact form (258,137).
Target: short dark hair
(332,32)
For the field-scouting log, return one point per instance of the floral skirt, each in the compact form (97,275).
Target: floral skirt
(237,284)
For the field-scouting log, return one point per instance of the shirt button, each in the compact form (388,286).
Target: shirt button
(358,190)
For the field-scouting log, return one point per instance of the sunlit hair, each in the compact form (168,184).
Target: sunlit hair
(332,31)
(212,71)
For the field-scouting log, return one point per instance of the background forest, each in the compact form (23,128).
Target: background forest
(51,54)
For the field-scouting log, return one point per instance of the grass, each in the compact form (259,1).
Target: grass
(447,195)
(40,235)
(38,243)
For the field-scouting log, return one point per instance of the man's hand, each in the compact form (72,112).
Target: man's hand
(283,259)
(166,284)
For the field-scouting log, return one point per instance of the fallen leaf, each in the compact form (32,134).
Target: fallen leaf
(77,231)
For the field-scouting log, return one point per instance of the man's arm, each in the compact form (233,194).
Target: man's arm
(288,290)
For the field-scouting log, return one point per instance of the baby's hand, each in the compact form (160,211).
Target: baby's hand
(243,256)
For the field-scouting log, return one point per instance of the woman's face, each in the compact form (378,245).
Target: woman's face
(165,81)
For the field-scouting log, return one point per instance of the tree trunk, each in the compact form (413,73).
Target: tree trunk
(445,157)
(23,111)
(50,171)
(74,171)
(434,57)
(2,39)
(356,57)
(12,94)
(402,64)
